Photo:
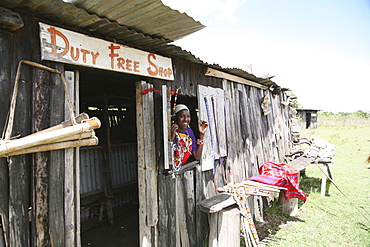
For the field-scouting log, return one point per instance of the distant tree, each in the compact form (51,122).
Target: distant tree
(326,113)
(362,114)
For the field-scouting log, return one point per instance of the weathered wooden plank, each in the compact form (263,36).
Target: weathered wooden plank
(71,169)
(245,134)
(76,105)
(216,203)
(252,162)
(10,20)
(18,212)
(221,122)
(69,192)
(189,205)
(20,166)
(225,228)
(232,116)
(220,74)
(150,166)
(181,216)
(209,148)
(301,162)
(166,114)
(201,223)
(145,234)
(228,123)
(289,207)
(106,165)
(167,212)
(6,40)
(4,198)
(41,116)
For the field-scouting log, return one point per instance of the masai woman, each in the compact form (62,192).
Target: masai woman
(185,144)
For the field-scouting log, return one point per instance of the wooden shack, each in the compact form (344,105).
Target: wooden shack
(119,67)
(307,118)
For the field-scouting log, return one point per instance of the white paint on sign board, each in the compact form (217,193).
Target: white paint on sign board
(61,45)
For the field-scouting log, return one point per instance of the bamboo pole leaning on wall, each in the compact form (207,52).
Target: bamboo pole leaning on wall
(46,141)
(76,132)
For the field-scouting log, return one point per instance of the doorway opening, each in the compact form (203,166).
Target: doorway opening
(108,171)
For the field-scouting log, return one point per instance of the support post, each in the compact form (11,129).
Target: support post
(225,228)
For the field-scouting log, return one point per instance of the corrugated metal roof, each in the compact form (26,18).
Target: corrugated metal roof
(146,24)
(242,73)
(149,17)
(67,14)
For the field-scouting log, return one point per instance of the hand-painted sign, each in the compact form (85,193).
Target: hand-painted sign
(58,44)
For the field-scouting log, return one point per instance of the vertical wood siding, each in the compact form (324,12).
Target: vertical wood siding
(252,138)
(6,40)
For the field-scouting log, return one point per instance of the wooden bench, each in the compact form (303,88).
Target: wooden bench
(291,206)
(98,198)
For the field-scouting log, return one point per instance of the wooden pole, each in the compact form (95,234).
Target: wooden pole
(67,123)
(107,173)
(59,145)
(30,141)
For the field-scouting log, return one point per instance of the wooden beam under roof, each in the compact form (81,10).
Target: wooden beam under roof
(223,75)
(10,20)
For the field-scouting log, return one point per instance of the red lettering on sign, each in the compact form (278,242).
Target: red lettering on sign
(128,64)
(74,52)
(73,56)
(53,38)
(136,67)
(112,54)
(149,69)
(84,52)
(155,70)
(120,63)
(94,57)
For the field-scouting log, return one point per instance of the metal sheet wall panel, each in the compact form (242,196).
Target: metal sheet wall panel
(123,164)
(91,177)
(123,160)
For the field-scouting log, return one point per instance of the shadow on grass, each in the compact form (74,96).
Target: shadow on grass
(275,219)
(313,185)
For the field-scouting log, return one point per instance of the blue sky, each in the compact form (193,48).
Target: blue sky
(320,49)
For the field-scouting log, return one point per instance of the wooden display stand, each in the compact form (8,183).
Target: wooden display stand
(224,220)
(225,228)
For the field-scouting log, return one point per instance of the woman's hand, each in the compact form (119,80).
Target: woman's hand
(174,127)
(202,126)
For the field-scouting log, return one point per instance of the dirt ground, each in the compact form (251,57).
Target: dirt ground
(125,232)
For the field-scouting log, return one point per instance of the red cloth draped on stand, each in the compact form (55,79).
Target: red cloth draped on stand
(282,175)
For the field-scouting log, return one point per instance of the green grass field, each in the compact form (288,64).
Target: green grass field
(335,221)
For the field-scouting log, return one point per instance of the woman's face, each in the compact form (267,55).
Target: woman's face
(183,119)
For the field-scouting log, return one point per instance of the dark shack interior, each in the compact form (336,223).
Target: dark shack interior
(108,172)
